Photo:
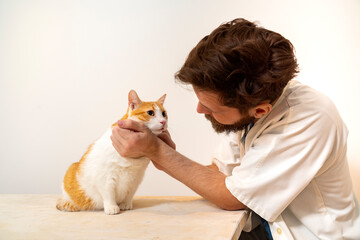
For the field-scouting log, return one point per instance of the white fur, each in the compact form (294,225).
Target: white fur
(109,179)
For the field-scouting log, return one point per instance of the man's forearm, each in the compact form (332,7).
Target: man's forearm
(206,181)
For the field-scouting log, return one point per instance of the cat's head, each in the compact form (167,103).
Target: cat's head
(152,114)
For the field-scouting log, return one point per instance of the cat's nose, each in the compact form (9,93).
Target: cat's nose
(163,123)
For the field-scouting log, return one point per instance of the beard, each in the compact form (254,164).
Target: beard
(237,126)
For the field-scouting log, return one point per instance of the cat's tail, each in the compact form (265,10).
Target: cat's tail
(66,205)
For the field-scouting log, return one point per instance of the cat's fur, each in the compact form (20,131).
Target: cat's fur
(102,179)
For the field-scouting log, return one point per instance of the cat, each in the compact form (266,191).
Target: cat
(102,179)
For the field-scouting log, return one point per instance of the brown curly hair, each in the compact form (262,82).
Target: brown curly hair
(241,62)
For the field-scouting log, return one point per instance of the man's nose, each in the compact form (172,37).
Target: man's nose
(200,109)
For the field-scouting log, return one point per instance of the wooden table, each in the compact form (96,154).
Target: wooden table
(153,218)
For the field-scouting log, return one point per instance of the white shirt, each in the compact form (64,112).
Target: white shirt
(292,169)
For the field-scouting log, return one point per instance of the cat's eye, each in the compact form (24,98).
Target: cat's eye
(164,114)
(151,113)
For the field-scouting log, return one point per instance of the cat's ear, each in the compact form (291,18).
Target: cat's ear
(134,100)
(162,99)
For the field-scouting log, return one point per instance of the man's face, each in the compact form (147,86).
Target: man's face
(222,118)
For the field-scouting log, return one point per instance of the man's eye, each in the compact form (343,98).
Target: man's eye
(151,113)
(164,114)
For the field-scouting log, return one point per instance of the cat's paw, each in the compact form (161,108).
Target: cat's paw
(125,206)
(112,209)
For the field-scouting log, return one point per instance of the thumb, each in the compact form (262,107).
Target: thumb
(132,125)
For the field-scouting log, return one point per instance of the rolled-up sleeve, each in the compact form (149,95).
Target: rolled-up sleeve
(227,154)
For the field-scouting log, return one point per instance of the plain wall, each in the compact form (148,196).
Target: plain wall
(66,68)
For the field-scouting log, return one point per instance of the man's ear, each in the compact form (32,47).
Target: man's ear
(134,100)
(260,110)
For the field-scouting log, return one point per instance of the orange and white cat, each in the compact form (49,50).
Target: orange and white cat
(102,179)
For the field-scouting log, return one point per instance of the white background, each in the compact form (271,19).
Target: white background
(66,67)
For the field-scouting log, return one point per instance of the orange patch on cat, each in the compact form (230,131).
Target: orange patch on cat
(72,187)
(141,111)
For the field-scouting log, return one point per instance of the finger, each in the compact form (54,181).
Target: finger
(132,125)
(119,133)
(166,132)
(116,143)
(119,138)
(165,137)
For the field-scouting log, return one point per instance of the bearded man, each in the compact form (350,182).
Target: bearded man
(285,155)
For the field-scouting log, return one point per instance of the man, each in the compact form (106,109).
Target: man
(285,157)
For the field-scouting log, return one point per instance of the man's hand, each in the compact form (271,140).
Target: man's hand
(133,139)
(165,136)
